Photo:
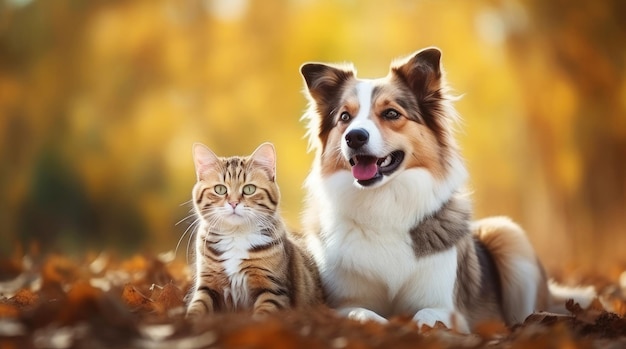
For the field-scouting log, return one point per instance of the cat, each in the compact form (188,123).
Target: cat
(245,260)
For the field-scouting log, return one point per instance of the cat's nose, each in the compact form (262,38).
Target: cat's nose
(233,204)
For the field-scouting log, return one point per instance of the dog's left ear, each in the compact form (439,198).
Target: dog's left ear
(421,72)
(324,81)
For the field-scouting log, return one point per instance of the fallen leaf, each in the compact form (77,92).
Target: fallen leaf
(135,299)
(59,270)
(25,297)
(8,310)
(489,330)
(170,297)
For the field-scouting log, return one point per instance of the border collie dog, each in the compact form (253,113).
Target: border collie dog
(386,217)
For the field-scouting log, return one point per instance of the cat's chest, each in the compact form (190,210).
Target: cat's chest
(235,250)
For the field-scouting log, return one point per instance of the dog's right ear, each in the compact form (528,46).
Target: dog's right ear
(324,81)
(422,72)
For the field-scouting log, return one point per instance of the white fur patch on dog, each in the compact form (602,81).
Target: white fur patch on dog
(400,204)
(375,144)
(430,316)
(359,258)
(362,315)
(364,92)
(583,295)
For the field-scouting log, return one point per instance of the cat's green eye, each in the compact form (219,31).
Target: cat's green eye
(220,189)
(249,189)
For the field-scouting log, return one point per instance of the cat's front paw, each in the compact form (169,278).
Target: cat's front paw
(269,303)
(262,314)
(197,310)
(362,315)
(449,318)
(194,314)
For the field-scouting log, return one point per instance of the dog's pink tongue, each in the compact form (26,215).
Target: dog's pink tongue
(365,169)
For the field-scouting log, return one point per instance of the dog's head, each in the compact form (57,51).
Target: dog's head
(378,128)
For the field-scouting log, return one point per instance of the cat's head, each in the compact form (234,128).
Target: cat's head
(235,192)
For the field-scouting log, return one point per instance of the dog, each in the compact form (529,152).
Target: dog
(386,216)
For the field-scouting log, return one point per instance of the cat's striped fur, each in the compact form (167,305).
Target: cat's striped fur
(245,258)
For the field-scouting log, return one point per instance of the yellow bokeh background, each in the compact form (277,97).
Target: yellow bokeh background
(100,102)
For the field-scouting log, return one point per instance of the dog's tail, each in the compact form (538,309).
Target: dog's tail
(560,294)
(525,288)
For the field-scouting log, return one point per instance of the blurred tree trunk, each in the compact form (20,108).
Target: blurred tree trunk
(578,122)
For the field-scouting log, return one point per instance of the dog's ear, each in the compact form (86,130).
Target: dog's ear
(325,81)
(421,72)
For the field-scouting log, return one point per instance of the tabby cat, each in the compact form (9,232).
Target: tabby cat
(245,259)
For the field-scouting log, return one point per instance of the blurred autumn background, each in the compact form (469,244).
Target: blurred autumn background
(100,102)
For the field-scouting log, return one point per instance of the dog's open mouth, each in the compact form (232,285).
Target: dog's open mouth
(368,169)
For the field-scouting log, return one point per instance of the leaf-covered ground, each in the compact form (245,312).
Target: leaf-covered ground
(100,301)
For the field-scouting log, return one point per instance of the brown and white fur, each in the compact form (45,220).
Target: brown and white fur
(386,218)
(245,258)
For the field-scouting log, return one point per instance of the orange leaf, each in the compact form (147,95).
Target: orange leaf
(10,268)
(8,310)
(81,303)
(135,264)
(438,326)
(25,297)
(170,297)
(491,329)
(619,307)
(58,270)
(135,299)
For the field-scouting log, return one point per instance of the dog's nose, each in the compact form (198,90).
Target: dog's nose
(356,138)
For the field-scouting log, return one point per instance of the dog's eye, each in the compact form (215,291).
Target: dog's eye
(345,116)
(390,114)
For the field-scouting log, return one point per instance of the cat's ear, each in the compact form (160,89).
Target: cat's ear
(265,157)
(204,159)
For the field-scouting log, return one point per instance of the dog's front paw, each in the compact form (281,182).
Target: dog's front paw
(362,315)
(450,319)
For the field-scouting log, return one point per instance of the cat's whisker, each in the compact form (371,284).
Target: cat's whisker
(254,217)
(190,216)
(212,223)
(191,226)
(194,232)
(263,221)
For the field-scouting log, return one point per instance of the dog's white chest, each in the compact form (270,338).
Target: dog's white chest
(387,258)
